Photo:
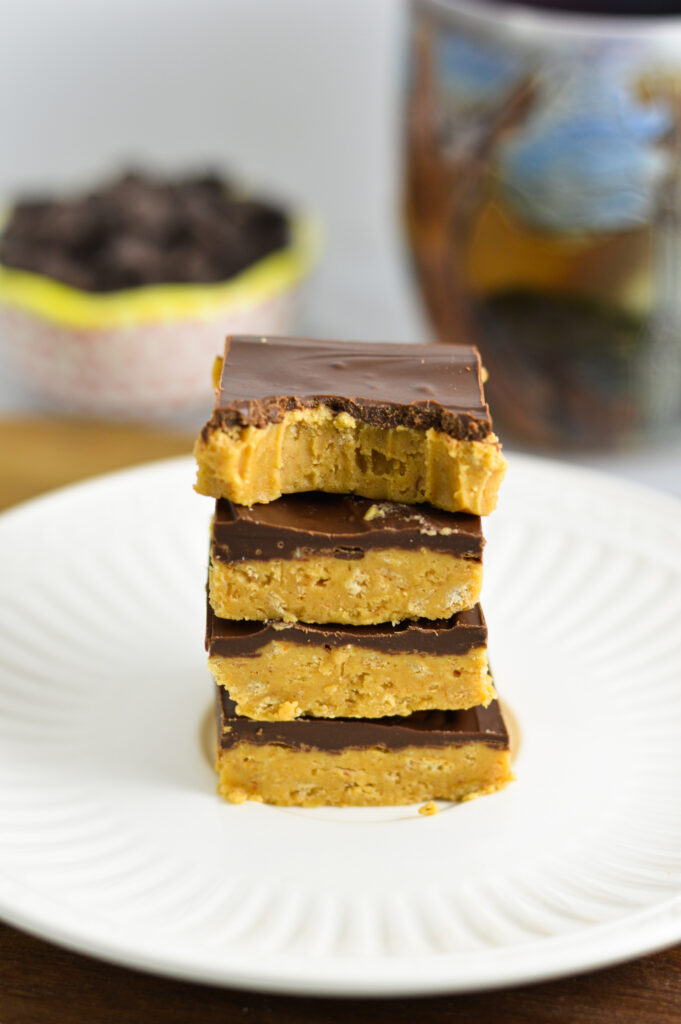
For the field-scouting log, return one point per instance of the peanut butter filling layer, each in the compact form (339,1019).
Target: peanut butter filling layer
(288,680)
(373,776)
(317,449)
(385,585)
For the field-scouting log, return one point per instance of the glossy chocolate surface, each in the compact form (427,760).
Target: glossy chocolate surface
(339,525)
(385,384)
(421,729)
(463,632)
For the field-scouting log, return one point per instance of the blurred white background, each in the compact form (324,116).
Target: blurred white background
(300,97)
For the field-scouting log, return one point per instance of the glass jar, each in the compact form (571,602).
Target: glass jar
(543,207)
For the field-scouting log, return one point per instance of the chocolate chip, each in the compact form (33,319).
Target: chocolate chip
(141,229)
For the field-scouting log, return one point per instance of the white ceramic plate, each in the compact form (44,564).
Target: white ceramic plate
(112,840)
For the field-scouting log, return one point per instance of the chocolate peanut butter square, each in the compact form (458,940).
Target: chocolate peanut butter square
(279,671)
(405,423)
(451,755)
(340,558)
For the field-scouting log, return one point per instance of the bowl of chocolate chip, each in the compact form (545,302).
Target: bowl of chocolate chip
(114,301)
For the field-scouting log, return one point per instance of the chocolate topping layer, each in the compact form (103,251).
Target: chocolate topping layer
(389,385)
(461,633)
(421,729)
(339,525)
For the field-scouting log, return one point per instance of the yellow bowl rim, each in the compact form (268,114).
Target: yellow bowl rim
(67,306)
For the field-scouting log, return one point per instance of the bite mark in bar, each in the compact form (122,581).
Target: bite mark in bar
(294,415)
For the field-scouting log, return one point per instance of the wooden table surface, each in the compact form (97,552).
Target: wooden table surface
(42,983)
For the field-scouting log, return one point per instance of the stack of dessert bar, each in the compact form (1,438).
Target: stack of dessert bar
(344,633)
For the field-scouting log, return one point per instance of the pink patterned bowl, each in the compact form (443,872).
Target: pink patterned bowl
(146,352)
